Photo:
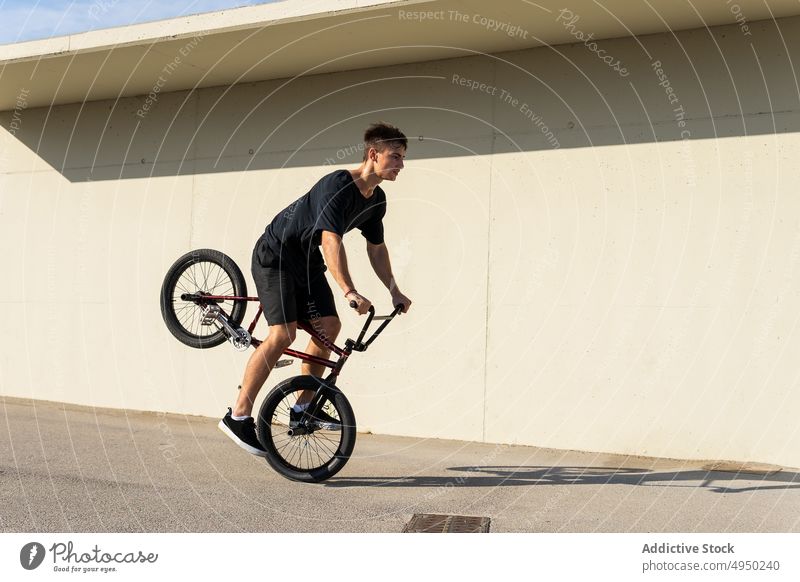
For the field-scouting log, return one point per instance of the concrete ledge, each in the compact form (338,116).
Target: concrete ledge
(292,38)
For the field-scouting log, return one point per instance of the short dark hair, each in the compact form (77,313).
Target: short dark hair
(382,135)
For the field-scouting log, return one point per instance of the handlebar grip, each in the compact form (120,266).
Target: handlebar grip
(353,304)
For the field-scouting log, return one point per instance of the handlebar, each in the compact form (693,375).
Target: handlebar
(361,347)
(397,309)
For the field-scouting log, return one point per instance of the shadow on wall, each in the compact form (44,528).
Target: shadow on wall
(697,84)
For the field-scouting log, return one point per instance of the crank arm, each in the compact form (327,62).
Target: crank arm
(240,338)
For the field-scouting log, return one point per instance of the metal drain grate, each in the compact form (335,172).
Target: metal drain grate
(432,523)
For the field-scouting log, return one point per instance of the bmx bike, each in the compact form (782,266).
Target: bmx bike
(203,302)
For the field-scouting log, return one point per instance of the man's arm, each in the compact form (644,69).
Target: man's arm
(379,259)
(336,260)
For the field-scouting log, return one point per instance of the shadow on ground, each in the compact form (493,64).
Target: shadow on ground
(505,476)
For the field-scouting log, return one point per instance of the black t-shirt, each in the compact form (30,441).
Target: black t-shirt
(334,204)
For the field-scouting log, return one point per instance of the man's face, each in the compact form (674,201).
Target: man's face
(389,162)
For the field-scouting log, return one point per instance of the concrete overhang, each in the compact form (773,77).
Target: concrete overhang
(298,37)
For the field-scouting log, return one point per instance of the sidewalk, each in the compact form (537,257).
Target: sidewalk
(69,468)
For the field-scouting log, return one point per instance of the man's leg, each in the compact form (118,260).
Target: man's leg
(278,296)
(328,327)
(261,363)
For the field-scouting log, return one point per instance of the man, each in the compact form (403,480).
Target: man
(289,270)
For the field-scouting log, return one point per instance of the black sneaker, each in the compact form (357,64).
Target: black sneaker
(321,420)
(243,433)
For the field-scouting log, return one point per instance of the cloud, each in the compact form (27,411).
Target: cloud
(30,21)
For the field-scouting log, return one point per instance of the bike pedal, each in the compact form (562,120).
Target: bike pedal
(282,363)
(210,314)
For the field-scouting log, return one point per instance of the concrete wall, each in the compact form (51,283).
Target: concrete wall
(626,283)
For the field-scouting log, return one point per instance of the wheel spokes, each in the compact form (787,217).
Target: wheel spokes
(202,277)
(303,452)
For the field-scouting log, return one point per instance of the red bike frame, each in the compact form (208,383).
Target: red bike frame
(343,353)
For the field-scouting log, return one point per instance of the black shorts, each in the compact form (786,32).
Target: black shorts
(290,292)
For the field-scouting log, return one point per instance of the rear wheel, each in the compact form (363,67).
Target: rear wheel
(306,449)
(196,274)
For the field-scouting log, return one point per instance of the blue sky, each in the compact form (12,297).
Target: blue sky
(32,19)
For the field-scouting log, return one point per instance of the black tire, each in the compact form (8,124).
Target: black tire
(204,271)
(313,457)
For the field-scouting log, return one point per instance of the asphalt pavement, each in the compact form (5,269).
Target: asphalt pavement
(67,468)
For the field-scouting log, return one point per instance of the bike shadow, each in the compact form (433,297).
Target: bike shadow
(510,476)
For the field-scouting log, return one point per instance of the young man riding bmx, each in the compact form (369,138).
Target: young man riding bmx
(289,270)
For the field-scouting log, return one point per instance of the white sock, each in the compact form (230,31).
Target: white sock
(300,407)
(240,418)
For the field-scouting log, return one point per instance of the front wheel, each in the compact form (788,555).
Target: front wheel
(300,447)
